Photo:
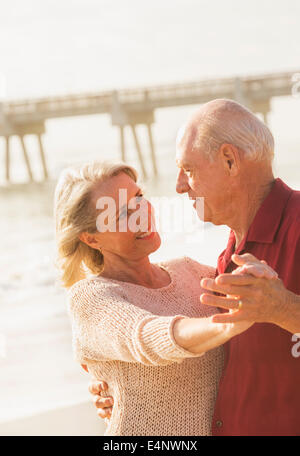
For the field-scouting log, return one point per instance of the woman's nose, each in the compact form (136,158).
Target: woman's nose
(182,185)
(147,215)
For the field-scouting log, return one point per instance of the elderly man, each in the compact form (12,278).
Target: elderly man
(224,154)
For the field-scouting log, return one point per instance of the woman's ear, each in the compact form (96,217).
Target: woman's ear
(82,237)
(89,239)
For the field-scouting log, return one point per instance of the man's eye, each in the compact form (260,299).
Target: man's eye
(188,172)
(139,197)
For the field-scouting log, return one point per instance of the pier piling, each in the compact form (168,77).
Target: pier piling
(26,158)
(152,149)
(42,155)
(122,143)
(138,149)
(7,159)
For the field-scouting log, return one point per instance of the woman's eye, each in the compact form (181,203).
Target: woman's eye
(122,215)
(128,211)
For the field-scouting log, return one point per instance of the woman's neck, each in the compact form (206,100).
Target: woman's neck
(140,272)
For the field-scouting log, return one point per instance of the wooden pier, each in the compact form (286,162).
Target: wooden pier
(129,108)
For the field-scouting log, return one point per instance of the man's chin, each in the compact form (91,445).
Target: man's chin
(202,215)
(201,212)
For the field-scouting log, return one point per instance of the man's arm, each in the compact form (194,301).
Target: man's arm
(104,405)
(289,318)
(261,299)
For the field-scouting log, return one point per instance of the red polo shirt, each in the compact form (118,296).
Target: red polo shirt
(259,392)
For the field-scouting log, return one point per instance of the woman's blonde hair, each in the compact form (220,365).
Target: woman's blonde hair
(74,214)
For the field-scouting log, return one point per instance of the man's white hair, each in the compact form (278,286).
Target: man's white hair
(228,122)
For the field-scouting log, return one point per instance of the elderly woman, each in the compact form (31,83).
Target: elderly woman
(137,325)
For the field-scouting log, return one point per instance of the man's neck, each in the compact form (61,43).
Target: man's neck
(248,207)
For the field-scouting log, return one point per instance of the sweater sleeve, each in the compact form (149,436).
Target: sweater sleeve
(106,326)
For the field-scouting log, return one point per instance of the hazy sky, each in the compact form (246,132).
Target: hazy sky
(49,46)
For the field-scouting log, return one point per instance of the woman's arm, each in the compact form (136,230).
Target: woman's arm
(108,327)
(198,335)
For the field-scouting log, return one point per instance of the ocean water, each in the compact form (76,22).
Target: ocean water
(86,45)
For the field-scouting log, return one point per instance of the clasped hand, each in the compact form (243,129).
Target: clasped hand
(253,292)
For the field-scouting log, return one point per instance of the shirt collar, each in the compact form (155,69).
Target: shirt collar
(268,217)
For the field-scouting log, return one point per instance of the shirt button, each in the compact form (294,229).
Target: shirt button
(219,423)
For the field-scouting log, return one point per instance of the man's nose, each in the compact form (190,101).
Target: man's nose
(182,185)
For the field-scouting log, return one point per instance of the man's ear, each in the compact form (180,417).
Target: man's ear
(231,158)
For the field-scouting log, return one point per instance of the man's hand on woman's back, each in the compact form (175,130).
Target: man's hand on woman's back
(104,405)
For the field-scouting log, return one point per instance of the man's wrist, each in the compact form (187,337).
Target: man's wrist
(288,312)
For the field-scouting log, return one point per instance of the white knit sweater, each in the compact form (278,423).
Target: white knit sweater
(123,332)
